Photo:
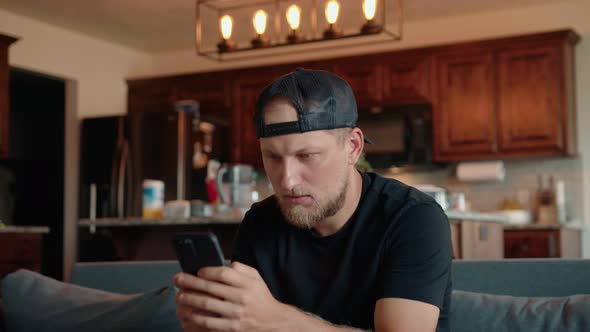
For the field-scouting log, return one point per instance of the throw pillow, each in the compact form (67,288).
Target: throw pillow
(33,302)
(488,312)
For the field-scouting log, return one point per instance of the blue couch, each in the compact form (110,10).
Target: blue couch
(501,295)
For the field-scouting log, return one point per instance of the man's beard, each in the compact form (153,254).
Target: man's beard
(306,217)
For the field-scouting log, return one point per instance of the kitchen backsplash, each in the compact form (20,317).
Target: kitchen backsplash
(521,177)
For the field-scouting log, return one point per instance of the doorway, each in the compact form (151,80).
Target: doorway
(36,159)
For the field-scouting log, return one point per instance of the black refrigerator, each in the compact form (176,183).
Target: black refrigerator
(119,152)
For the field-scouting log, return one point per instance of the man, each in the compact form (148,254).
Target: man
(333,249)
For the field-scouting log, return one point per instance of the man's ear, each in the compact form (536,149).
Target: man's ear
(356,143)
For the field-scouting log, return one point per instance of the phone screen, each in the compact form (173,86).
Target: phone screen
(197,250)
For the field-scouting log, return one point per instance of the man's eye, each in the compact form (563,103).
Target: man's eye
(307,156)
(274,157)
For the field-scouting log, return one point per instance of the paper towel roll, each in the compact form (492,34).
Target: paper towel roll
(481,171)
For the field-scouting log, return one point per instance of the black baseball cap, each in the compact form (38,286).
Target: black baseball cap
(322,100)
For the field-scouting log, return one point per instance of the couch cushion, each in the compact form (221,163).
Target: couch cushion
(554,277)
(487,312)
(33,302)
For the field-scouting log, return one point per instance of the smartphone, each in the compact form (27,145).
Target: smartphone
(197,250)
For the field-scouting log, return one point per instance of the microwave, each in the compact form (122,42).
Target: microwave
(401,136)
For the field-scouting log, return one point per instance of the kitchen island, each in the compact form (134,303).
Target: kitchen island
(475,236)
(20,248)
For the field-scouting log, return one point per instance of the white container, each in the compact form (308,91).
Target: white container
(153,199)
(439,194)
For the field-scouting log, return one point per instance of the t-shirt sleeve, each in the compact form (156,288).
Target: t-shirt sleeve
(417,264)
(243,251)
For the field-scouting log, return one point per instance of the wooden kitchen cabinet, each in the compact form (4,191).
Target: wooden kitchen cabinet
(407,79)
(513,99)
(531,106)
(542,243)
(465,117)
(493,99)
(20,251)
(5,42)
(477,240)
(365,76)
(245,148)
(147,96)
(211,90)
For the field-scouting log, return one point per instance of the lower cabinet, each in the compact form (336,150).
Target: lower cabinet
(477,240)
(20,251)
(542,243)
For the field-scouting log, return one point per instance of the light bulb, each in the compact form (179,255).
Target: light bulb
(226,23)
(369,9)
(294,16)
(259,21)
(332,9)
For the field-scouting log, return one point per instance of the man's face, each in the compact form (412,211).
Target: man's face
(308,171)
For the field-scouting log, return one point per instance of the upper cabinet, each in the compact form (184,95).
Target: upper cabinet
(531,109)
(365,77)
(492,99)
(406,78)
(246,89)
(465,118)
(506,98)
(5,41)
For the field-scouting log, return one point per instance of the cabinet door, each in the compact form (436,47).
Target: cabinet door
(365,77)
(211,90)
(531,244)
(531,114)
(406,80)
(150,98)
(464,119)
(246,148)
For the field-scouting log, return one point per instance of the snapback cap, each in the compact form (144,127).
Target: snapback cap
(323,101)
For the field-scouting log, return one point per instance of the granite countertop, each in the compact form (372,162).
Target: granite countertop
(475,216)
(236,218)
(24,229)
(573,225)
(138,221)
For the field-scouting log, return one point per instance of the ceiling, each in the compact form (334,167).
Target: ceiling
(165,25)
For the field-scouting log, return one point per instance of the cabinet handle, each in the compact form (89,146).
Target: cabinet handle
(552,249)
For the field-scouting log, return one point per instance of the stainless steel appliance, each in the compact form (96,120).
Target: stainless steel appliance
(235,185)
(401,136)
(118,153)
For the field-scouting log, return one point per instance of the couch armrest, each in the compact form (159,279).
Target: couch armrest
(125,277)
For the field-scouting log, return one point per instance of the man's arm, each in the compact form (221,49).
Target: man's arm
(396,314)
(417,270)
(236,298)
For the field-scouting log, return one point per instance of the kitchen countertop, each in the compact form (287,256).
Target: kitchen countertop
(475,216)
(138,222)
(454,216)
(573,225)
(24,229)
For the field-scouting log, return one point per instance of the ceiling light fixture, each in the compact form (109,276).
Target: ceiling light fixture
(222,31)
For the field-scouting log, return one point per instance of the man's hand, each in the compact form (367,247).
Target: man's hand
(233,298)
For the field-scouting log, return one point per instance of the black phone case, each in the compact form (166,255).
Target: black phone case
(197,250)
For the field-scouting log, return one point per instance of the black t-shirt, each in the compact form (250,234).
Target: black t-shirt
(397,244)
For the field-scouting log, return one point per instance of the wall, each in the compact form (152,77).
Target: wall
(520,182)
(99,67)
(544,17)
(95,73)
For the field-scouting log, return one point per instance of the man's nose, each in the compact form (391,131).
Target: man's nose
(289,174)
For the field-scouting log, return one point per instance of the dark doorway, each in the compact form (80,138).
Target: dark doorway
(36,159)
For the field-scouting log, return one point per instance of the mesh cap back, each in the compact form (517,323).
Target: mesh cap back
(322,100)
